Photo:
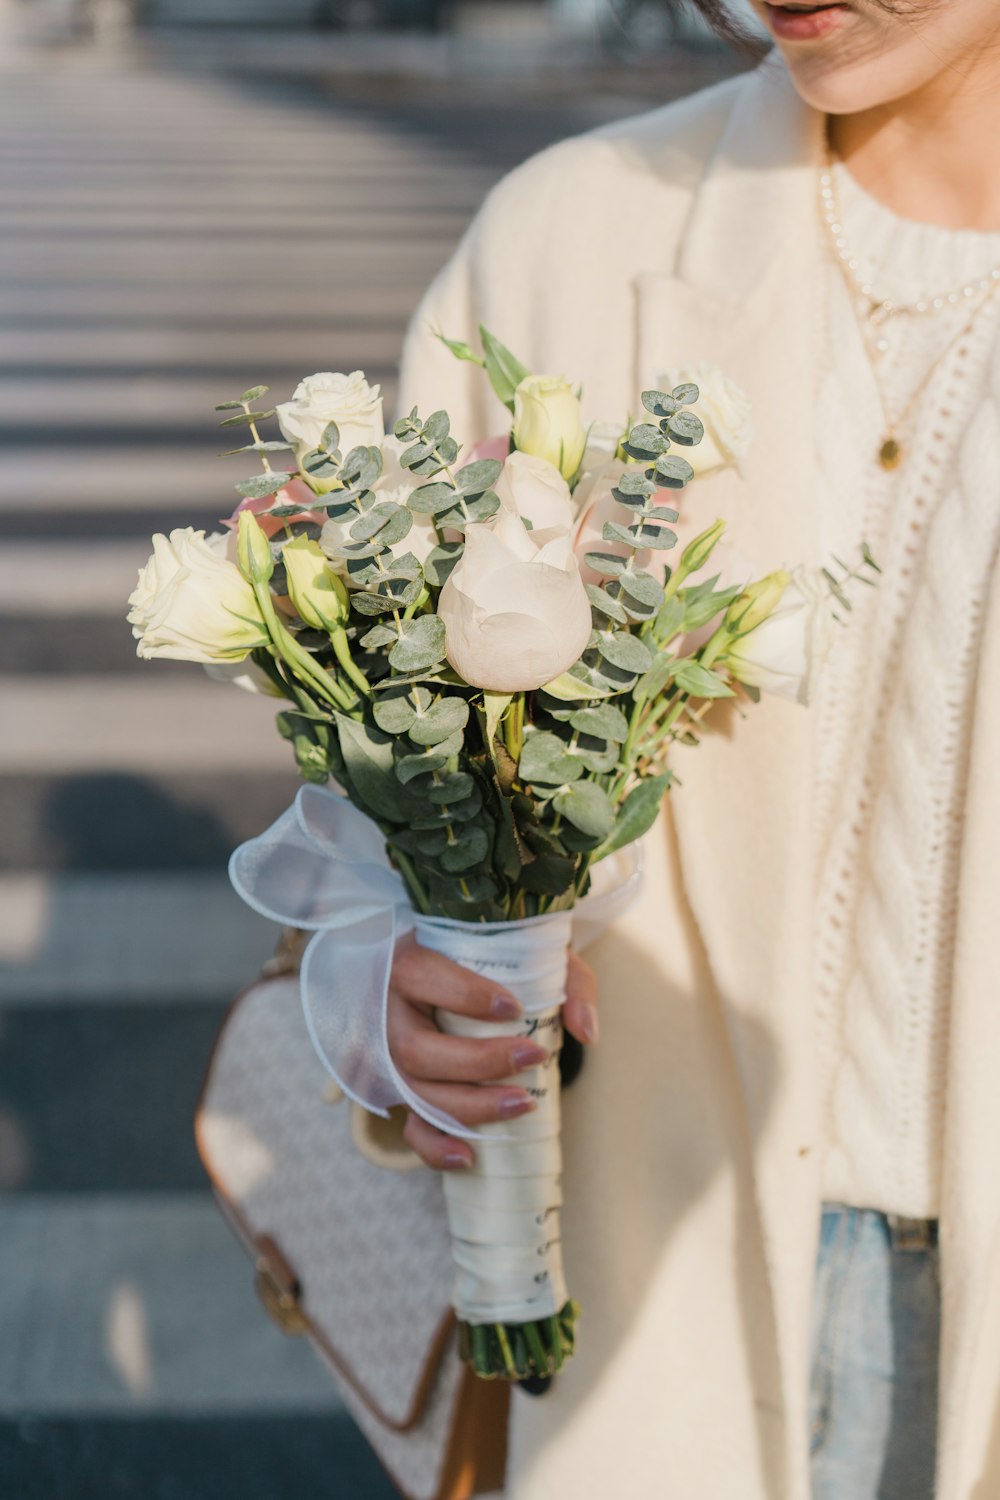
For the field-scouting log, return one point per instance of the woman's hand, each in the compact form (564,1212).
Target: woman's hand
(459,1074)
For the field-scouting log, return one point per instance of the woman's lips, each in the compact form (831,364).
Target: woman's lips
(799,24)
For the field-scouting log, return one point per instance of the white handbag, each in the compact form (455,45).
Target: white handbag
(350,1245)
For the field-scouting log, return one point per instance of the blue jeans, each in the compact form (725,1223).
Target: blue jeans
(874,1382)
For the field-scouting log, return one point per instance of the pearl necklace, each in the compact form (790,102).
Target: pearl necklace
(874,311)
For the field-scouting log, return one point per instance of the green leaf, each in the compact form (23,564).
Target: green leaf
(262,484)
(456,787)
(466,513)
(587,807)
(604,722)
(702,606)
(445,717)
(245,418)
(637,815)
(602,601)
(470,847)
(684,427)
(658,403)
(255,391)
(646,441)
(379,635)
(548,875)
(642,587)
(396,712)
(495,706)
(475,479)
(461,350)
(411,766)
(428,499)
(544,759)
(686,394)
(386,523)
(436,428)
(699,681)
(369,761)
(504,369)
(440,561)
(673,472)
(421,644)
(669,620)
(625,651)
(571,689)
(608,563)
(229,406)
(634,485)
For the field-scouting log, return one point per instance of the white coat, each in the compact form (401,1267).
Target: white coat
(692,1175)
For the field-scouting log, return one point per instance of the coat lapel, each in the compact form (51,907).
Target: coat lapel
(743,298)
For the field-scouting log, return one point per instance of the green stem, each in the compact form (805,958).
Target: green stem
(299,660)
(342,651)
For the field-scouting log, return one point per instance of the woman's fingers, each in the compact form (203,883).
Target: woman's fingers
(445,1153)
(423,1051)
(475,1103)
(424,977)
(580,1005)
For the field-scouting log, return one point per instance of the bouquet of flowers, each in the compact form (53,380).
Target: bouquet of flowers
(488,654)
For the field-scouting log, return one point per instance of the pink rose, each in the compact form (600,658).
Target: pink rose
(494,447)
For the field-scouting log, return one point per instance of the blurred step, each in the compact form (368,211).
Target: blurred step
(128,938)
(140,1304)
(70,724)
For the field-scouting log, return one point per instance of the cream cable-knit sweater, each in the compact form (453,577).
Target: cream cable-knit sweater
(895,703)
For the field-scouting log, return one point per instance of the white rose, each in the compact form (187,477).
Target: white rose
(726,413)
(348,400)
(191,604)
(786,651)
(547,422)
(533,489)
(515,610)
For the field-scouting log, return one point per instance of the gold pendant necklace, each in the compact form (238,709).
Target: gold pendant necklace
(875,312)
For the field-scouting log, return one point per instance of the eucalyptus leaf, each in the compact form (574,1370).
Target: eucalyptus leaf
(637,814)
(469,848)
(673,472)
(421,644)
(428,499)
(262,484)
(646,441)
(475,478)
(436,428)
(443,718)
(601,600)
(587,806)
(440,561)
(604,722)
(608,563)
(643,587)
(625,651)
(684,427)
(455,787)
(658,403)
(254,392)
(686,394)
(544,759)
(470,511)
(379,635)
(411,766)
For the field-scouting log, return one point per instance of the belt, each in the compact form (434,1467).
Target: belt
(912,1234)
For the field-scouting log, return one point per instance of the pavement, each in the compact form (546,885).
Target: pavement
(171,234)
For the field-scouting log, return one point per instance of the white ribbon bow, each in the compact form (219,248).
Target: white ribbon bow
(322,866)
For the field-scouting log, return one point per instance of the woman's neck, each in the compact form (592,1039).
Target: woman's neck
(932,157)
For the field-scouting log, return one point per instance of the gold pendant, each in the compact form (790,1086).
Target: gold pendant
(890,454)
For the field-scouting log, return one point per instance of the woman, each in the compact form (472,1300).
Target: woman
(802,1031)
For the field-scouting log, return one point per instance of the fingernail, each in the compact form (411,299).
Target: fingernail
(515,1104)
(528,1055)
(588,1022)
(456,1159)
(504,1007)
